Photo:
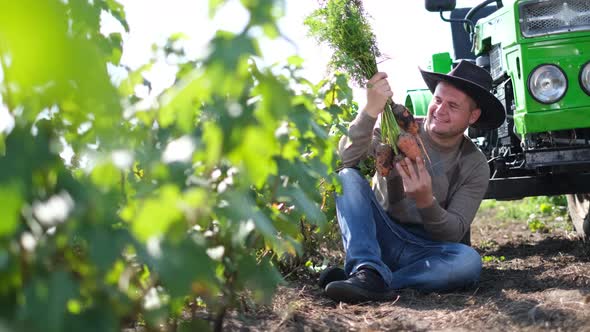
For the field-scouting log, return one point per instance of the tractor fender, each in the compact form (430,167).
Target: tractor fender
(417,101)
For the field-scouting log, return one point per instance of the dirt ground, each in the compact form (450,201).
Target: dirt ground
(531,281)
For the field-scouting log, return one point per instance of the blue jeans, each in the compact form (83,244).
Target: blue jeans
(403,258)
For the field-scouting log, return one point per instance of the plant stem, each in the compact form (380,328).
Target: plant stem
(218,323)
(390,129)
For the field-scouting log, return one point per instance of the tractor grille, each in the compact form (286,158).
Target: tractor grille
(554,16)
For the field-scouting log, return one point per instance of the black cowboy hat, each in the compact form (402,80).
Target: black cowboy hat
(476,82)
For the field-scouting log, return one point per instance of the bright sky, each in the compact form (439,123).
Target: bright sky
(405,32)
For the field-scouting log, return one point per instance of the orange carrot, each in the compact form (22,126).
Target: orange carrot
(384,159)
(409,146)
(407,122)
(405,119)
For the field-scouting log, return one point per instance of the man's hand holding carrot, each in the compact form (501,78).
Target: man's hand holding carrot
(417,182)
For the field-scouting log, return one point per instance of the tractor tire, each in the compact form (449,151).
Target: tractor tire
(578,206)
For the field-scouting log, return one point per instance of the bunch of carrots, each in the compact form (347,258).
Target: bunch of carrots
(403,141)
(344,26)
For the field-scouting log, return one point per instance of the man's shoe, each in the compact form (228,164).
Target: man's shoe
(364,285)
(330,274)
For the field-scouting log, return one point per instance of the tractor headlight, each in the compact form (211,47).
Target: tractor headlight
(547,84)
(585,78)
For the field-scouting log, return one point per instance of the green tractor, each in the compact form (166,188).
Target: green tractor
(538,54)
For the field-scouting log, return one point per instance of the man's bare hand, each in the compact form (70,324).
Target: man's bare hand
(378,91)
(417,182)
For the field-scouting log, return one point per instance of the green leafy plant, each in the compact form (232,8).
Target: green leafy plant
(549,206)
(496,259)
(187,200)
(536,224)
(541,213)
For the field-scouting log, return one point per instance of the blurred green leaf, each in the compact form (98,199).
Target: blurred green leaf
(2,145)
(106,246)
(295,60)
(157,214)
(264,12)
(100,318)
(133,79)
(71,73)
(185,266)
(115,42)
(10,280)
(46,301)
(259,277)
(87,14)
(545,208)
(303,204)
(257,158)
(229,50)
(242,208)
(213,138)
(274,99)
(106,176)
(264,150)
(183,100)
(10,205)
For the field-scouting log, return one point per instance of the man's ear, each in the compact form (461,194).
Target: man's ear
(475,114)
